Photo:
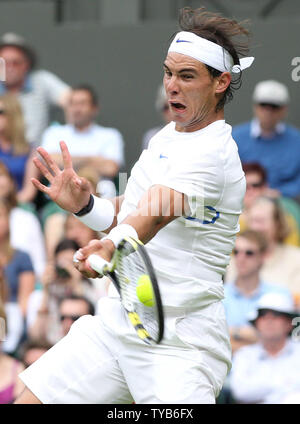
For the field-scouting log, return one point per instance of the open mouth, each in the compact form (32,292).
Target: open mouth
(177,106)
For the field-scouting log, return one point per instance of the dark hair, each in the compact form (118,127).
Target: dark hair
(66,244)
(91,307)
(90,90)
(222,31)
(257,168)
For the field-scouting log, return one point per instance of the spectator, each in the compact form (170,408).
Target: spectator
(60,279)
(162,107)
(71,308)
(242,294)
(14,323)
(37,90)
(257,186)
(282,262)
(89,143)
(266,372)
(10,385)
(269,141)
(15,152)
(31,350)
(16,264)
(24,227)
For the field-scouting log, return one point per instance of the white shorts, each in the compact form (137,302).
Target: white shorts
(102,360)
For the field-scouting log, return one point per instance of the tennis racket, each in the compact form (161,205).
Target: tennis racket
(133,275)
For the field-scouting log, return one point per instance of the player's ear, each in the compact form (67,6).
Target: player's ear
(223,82)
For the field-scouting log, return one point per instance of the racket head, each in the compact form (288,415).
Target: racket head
(131,268)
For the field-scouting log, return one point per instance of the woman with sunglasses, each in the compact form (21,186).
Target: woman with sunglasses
(15,151)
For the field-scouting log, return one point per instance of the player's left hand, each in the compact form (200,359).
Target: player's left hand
(103,248)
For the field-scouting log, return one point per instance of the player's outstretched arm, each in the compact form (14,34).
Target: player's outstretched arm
(159,206)
(66,188)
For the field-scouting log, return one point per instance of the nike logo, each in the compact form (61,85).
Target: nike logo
(162,156)
(182,41)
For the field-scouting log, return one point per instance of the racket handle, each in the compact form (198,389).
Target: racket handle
(99,264)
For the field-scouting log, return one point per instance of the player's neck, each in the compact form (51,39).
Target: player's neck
(201,123)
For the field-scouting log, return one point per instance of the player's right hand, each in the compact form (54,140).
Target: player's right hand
(66,188)
(103,248)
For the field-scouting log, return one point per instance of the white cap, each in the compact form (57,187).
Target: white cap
(271,91)
(274,302)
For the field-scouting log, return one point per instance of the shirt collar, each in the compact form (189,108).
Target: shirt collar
(255,129)
(86,131)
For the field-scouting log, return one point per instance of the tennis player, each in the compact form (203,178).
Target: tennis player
(183,199)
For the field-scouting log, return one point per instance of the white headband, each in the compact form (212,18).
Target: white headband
(206,51)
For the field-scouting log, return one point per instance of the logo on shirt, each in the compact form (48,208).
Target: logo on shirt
(163,156)
(182,41)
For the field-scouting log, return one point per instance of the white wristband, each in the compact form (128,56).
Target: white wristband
(101,216)
(120,232)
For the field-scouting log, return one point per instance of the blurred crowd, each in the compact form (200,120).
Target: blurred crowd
(42,294)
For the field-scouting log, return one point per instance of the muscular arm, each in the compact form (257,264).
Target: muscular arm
(159,206)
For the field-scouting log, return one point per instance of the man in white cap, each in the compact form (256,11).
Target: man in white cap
(269,141)
(266,372)
(37,90)
(191,174)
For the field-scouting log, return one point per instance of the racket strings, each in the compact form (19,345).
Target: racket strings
(130,268)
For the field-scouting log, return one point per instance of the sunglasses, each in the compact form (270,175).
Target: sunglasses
(71,317)
(247,252)
(2,112)
(271,106)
